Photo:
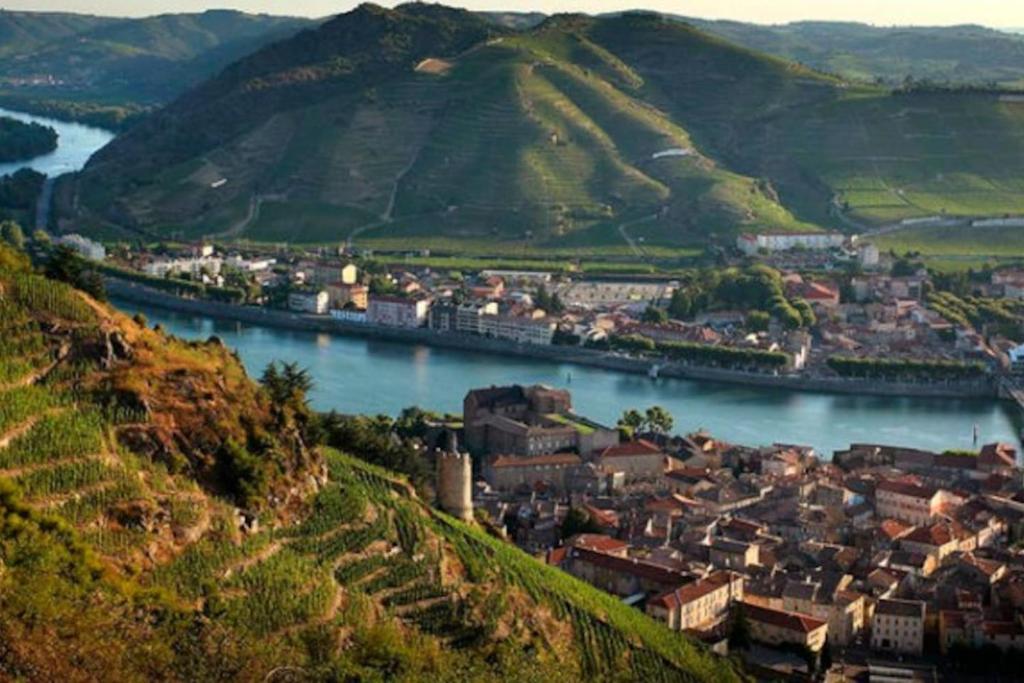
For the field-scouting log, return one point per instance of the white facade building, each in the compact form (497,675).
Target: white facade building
(393,311)
(194,266)
(518,329)
(751,244)
(309,302)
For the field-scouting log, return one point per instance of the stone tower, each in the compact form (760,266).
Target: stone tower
(455,480)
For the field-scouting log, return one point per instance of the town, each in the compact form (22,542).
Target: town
(877,560)
(807,309)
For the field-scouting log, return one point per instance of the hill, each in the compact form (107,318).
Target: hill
(942,54)
(128,62)
(437,126)
(162,517)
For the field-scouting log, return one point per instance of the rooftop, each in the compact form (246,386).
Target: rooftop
(792,621)
(901,608)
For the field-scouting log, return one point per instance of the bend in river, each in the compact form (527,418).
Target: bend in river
(76,142)
(357,375)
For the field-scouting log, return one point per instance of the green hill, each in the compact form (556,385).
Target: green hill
(953,54)
(430,126)
(137,62)
(161,517)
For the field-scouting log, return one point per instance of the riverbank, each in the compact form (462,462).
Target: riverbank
(136,293)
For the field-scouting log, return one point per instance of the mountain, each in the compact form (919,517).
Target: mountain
(136,61)
(23,32)
(954,54)
(431,126)
(163,518)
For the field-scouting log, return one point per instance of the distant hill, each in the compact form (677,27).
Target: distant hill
(23,32)
(955,54)
(433,126)
(137,61)
(164,517)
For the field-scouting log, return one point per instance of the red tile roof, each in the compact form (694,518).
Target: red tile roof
(906,488)
(791,621)
(630,565)
(638,447)
(557,459)
(692,591)
(599,542)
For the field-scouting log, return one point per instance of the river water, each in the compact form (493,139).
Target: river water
(358,375)
(76,142)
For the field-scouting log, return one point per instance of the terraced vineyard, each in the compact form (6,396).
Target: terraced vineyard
(159,517)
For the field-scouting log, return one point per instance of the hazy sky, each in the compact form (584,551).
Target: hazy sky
(1003,13)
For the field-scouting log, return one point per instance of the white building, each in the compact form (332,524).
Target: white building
(94,251)
(194,266)
(249,265)
(519,329)
(309,302)
(349,315)
(751,244)
(394,311)
(898,626)
(468,316)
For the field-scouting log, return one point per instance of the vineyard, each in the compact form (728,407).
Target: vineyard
(110,458)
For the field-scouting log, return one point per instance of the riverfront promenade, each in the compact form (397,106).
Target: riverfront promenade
(137,293)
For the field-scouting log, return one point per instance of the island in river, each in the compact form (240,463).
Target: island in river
(23,140)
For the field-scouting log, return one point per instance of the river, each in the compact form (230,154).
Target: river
(76,142)
(358,375)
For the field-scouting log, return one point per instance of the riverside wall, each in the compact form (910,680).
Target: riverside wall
(255,315)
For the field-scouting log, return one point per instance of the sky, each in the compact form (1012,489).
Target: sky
(995,13)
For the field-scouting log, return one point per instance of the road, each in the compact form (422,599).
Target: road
(43,204)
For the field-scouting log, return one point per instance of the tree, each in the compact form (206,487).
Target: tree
(757,321)
(826,656)
(658,420)
(578,522)
(739,631)
(66,265)
(13,234)
(41,238)
(653,314)
(680,306)
(631,419)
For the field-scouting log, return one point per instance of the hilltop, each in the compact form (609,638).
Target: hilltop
(72,65)
(438,126)
(161,516)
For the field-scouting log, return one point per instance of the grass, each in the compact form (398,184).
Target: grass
(948,242)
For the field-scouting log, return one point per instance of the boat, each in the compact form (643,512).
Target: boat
(654,371)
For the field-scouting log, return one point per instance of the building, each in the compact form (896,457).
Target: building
(937,539)
(698,605)
(729,554)
(342,294)
(622,576)
(970,627)
(907,502)
(751,244)
(638,460)
(194,266)
(469,314)
(94,251)
(509,472)
(778,627)
(518,329)
(395,311)
(309,302)
(516,420)
(898,626)
(825,596)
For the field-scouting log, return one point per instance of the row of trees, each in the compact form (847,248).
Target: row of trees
(655,420)
(909,369)
(701,354)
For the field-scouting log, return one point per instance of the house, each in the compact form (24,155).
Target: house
(898,626)
(730,554)
(997,457)
(508,472)
(824,595)
(309,302)
(342,294)
(907,502)
(469,314)
(698,605)
(639,460)
(394,311)
(970,627)
(622,576)
(939,539)
(778,627)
